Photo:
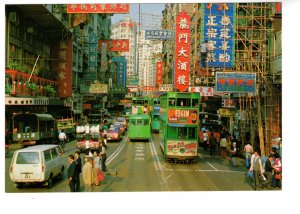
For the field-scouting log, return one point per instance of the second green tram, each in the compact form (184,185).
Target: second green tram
(155,114)
(179,125)
(140,105)
(139,127)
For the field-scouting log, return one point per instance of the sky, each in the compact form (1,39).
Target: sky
(151,13)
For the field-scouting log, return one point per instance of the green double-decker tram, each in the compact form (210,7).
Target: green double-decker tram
(179,125)
(139,127)
(141,105)
(155,114)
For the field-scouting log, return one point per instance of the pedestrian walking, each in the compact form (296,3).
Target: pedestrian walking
(269,170)
(96,160)
(103,156)
(87,146)
(88,174)
(234,154)
(71,172)
(248,150)
(77,171)
(212,144)
(204,50)
(204,141)
(257,169)
(62,137)
(277,173)
(223,146)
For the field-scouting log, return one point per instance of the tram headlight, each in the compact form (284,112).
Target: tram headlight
(19,136)
(32,135)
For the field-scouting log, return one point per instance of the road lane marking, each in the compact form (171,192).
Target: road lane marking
(116,152)
(202,170)
(212,166)
(200,156)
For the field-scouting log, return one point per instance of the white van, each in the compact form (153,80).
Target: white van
(37,164)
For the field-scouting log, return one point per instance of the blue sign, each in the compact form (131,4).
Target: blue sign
(122,68)
(218,28)
(93,51)
(235,82)
(159,35)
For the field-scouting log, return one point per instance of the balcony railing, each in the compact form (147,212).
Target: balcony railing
(20,84)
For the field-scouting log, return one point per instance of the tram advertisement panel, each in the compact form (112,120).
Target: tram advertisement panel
(181,148)
(181,116)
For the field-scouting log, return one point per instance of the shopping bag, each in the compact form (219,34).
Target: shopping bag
(250,174)
(100,176)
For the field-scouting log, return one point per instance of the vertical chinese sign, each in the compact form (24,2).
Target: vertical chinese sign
(159,74)
(218,28)
(121,73)
(182,51)
(92,56)
(64,65)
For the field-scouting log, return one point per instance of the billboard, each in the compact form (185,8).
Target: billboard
(235,82)
(182,51)
(119,45)
(159,35)
(203,90)
(218,27)
(98,8)
(181,116)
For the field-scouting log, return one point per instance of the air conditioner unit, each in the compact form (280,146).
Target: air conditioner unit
(13,17)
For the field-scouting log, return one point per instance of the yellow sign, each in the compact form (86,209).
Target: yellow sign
(226,112)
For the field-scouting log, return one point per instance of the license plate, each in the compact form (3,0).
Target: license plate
(27,175)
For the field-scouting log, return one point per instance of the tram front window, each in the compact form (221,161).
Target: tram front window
(192,133)
(182,132)
(139,123)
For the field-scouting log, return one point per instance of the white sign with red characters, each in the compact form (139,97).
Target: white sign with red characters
(204,91)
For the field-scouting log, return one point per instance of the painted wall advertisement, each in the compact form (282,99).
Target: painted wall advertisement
(181,148)
(182,51)
(235,82)
(180,116)
(218,28)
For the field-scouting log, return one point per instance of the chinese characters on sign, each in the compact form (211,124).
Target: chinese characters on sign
(148,88)
(235,82)
(159,34)
(166,87)
(65,68)
(159,73)
(121,65)
(204,91)
(98,8)
(120,45)
(93,54)
(182,51)
(219,20)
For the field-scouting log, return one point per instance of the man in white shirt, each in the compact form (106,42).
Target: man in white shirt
(62,138)
(203,50)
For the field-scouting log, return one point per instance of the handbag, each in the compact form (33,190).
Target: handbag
(277,176)
(100,176)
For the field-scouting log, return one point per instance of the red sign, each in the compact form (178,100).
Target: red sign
(63,52)
(120,45)
(182,51)
(159,73)
(182,116)
(148,88)
(98,8)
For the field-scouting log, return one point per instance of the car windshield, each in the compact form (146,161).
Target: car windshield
(28,158)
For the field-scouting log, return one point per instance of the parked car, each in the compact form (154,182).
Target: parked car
(113,133)
(37,164)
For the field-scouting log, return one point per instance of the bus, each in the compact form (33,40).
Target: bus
(179,112)
(140,105)
(139,127)
(155,114)
(31,129)
(211,123)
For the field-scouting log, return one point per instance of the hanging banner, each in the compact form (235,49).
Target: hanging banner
(182,51)
(120,45)
(98,8)
(121,72)
(204,91)
(92,57)
(235,82)
(64,66)
(218,27)
(159,34)
(103,67)
(159,73)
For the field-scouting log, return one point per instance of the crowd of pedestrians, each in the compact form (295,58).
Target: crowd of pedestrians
(266,172)
(92,170)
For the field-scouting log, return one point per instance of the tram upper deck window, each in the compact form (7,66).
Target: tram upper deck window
(195,102)
(172,101)
(184,102)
